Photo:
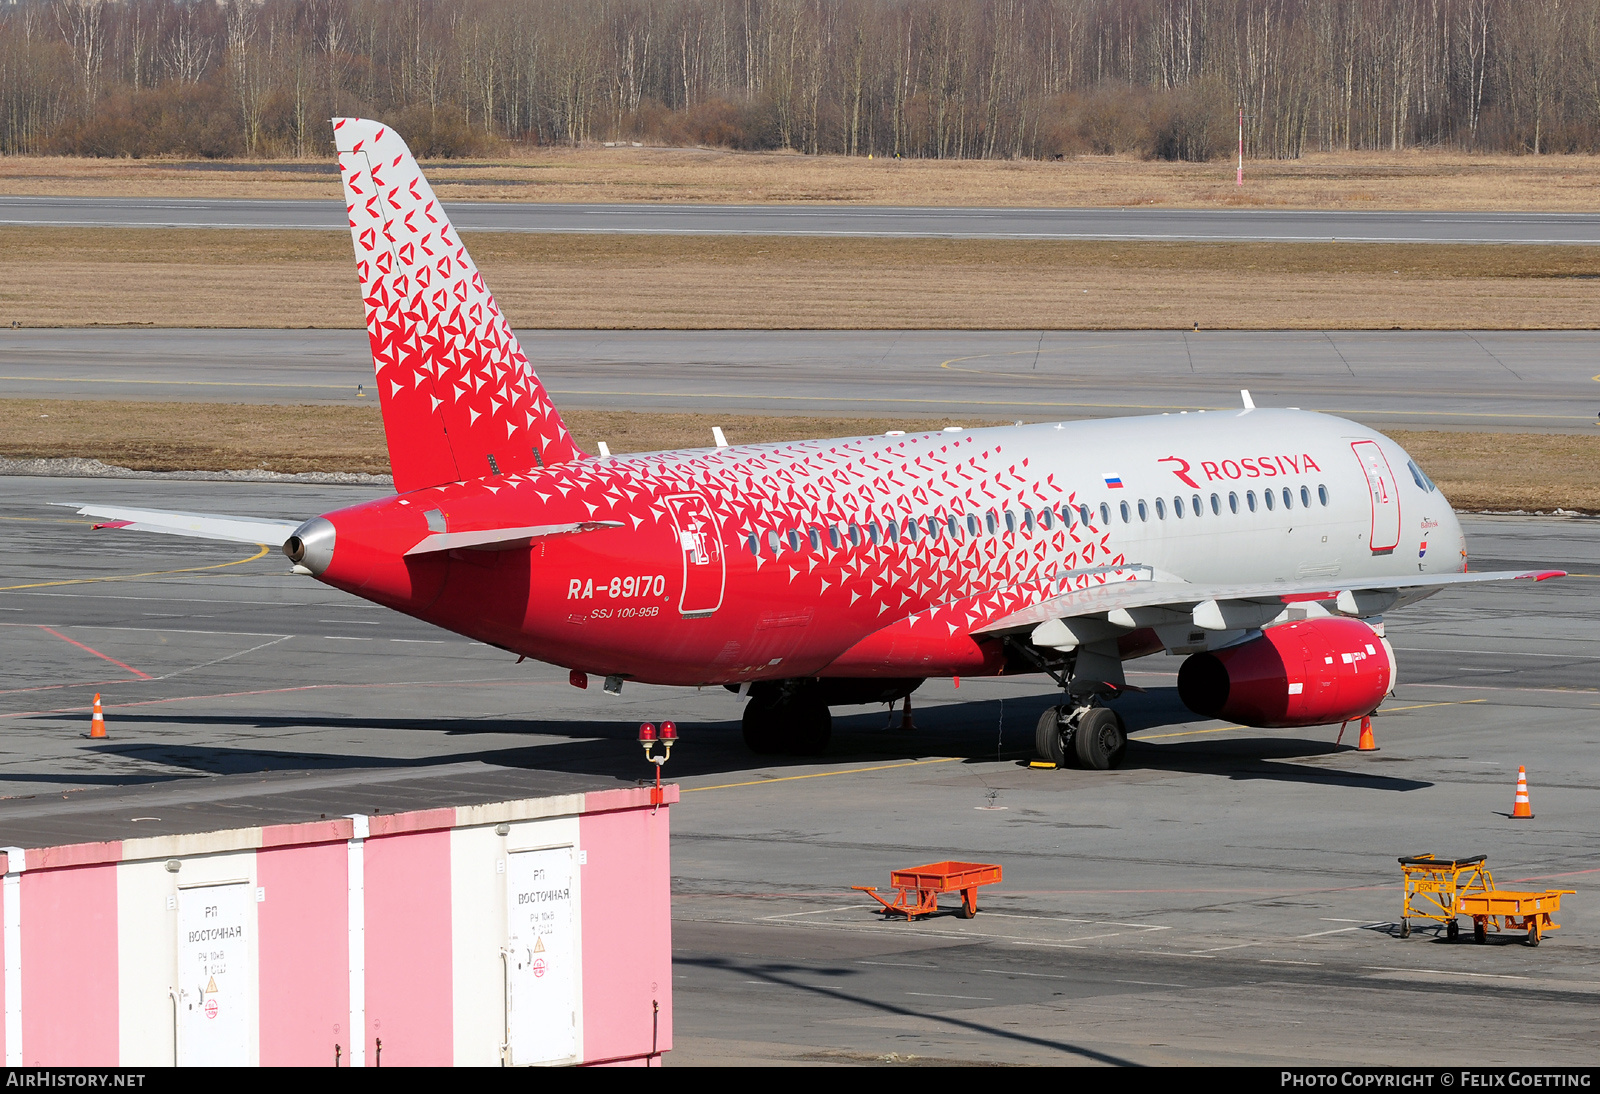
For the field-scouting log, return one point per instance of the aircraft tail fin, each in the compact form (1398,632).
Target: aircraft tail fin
(459,398)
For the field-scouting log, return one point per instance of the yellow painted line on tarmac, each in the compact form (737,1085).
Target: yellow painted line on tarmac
(821,774)
(130,577)
(1043,404)
(1190,733)
(48,520)
(1421,706)
(164,383)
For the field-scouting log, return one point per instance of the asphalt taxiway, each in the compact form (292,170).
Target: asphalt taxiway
(1137,224)
(1519,381)
(1229,896)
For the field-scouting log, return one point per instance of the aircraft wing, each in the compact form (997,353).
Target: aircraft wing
(500,539)
(1136,587)
(266,530)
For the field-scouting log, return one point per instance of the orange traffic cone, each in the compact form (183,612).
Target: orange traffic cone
(97,725)
(1366,743)
(905,716)
(1520,806)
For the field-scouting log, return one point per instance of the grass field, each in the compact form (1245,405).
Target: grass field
(1476,470)
(259,278)
(1359,180)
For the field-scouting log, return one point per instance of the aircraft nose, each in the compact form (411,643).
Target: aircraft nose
(311,546)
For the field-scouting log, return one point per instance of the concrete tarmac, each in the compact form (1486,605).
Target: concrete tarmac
(1229,896)
(1132,225)
(1518,381)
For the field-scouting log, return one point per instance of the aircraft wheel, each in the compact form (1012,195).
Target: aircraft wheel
(809,728)
(1047,738)
(1100,742)
(763,726)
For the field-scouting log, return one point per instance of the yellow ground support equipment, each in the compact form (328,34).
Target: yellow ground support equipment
(1434,887)
(1498,910)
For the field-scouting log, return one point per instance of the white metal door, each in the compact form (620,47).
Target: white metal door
(542,996)
(1385,495)
(216,978)
(705,570)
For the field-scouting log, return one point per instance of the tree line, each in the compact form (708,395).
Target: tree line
(923,78)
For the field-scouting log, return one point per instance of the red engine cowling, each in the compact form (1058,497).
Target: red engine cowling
(1309,673)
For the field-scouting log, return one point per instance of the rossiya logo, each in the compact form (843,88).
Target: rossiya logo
(1245,467)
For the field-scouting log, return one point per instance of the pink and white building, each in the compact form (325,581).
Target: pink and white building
(535,930)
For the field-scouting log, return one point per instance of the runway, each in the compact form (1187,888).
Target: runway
(1132,225)
(1530,381)
(1229,896)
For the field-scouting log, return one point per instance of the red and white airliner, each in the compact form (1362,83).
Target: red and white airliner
(1264,544)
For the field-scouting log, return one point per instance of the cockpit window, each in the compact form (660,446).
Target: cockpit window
(1422,481)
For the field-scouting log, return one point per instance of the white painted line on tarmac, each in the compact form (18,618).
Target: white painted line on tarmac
(1341,930)
(1220,949)
(942,995)
(818,911)
(897,964)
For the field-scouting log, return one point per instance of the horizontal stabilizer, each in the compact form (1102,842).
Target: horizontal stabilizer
(504,539)
(195,525)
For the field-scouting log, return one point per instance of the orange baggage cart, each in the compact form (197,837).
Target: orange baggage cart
(918,888)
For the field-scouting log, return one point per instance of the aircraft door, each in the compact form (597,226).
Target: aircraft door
(705,568)
(1385,495)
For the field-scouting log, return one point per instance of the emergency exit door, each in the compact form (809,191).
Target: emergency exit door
(1384,493)
(705,569)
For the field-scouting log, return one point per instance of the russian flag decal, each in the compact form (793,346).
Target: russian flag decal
(1424,550)
(1113,482)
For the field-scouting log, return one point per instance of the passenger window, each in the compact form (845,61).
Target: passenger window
(1305,497)
(933,527)
(1216,506)
(1288,498)
(893,530)
(855,534)
(755,545)
(1105,514)
(990,522)
(1045,521)
(1125,517)
(954,526)
(1322,494)
(772,541)
(1233,502)
(1011,522)
(972,524)
(1198,508)
(1083,515)
(1161,509)
(911,530)
(833,536)
(1250,500)
(794,540)
(1177,508)
(1144,512)
(874,533)
(1266,496)
(1027,518)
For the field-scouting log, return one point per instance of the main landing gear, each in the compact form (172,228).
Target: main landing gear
(787,717)
(1081,735)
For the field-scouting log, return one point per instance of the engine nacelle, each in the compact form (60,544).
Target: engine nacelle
(1308,673)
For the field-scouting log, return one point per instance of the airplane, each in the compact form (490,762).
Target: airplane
(1266,545)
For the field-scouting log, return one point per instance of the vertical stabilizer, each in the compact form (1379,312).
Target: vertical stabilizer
(459,398)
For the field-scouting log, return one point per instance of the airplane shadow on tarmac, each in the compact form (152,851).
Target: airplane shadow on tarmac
(982,731)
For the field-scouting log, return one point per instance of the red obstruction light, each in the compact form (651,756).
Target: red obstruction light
(669,731)
(647,733)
